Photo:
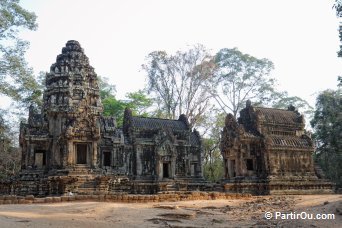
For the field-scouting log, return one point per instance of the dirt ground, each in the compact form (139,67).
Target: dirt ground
(202,213)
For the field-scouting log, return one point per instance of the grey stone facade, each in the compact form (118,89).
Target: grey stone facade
(69,140)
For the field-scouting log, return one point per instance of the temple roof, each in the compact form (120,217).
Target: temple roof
(278,116)
(155,123)
(290,141)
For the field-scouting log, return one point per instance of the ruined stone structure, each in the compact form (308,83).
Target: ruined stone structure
(268,151)
(70,146)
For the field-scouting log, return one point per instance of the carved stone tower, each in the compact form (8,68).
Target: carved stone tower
(68,144)
(72,108)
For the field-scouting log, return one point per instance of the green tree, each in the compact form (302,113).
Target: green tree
(106,89)
(114,107)
(327,124)
(16,78)
(240,77)
(9,155)
(338,8)
(138,102)
(178,83)
(212,159)
(282,100)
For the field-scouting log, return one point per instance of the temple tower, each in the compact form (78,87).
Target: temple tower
(72,109)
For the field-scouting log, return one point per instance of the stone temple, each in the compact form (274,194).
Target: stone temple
(268,151)
(69,145)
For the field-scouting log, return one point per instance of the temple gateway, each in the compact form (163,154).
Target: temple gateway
(268,151)
(70,146)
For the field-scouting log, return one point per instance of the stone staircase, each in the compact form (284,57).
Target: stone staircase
(171,187)
(85,184)
(80,170)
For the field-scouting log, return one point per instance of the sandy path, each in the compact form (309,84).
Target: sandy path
(211,213)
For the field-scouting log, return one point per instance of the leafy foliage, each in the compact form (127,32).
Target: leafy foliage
(327,123)
(9,155)
(178,83)
(240,77)
(16,78)
(282,100)
(138,102)
(213,162)
(338,8)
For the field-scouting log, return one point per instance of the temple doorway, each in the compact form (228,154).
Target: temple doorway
(231,168)
(166,171)
(81,153)
(106,158)
(39,158)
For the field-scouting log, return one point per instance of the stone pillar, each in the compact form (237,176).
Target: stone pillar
(173,167)
(231,168)
(113,152)
(31,156)
(138,160)
(70,153)
(94,158)
(27,152)
(238,169)
(160,170)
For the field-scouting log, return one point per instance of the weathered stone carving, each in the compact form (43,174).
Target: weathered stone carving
(71,146)
(270,147)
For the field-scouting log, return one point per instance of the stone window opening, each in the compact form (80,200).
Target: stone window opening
(249,164)
(106,158)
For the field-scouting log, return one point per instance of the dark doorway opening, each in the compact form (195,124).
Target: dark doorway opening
(165,170)
(233,168)
(106,159)
(226,168)
(249,164)
(81,150)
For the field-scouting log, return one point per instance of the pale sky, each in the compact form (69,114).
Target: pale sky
(299,36)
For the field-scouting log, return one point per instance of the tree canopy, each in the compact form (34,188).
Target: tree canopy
(338,8)
(137,101)
(240,77)
(327,123)
(178,83)
(16,78)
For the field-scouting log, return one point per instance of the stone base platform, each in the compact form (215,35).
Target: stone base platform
(123,197)
(82,182)
(279,187)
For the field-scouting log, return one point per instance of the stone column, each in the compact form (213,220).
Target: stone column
(173,167)
(160,170)
(94,162)
(31,156)
(70,153)
(138,160)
